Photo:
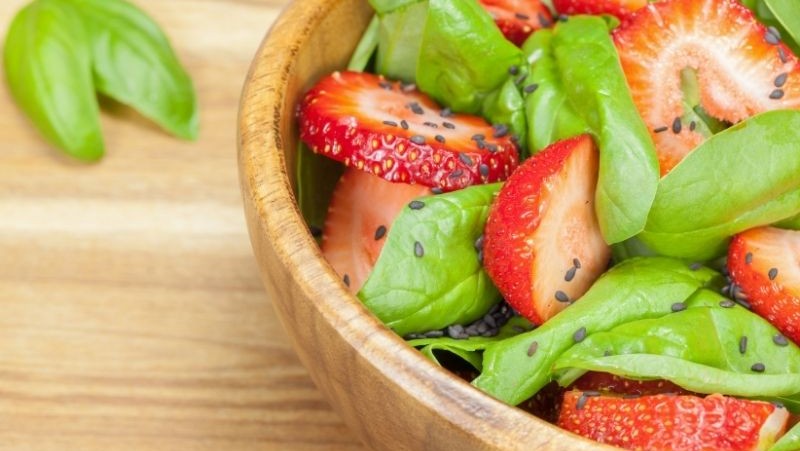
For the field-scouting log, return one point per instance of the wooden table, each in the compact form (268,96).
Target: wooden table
(132,316)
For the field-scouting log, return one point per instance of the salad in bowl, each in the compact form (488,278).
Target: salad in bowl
(588,209)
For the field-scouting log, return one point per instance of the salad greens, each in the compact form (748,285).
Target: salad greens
(60,53)
(415,285)
(789,442)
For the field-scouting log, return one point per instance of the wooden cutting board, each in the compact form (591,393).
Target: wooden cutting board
(132,316)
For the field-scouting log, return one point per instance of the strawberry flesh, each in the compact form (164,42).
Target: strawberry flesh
(359,218)
(669,422)
(763,263)
(517,19)
(620,8)
(543,247)
(742,68)
(397,133)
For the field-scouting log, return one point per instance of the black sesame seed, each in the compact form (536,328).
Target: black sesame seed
(416,205)
(521,16)
(743,345)
(408,87)
(471,330)
(561,296)
(576,263)
(772,38)
(533,348)
(430,124)
(773,273)
(692,126)
(390,123)
(439,138)
(346,280)
(491,148)
(661,129)
(380,232)
(419,251)
(385,84)
(518,81)
(500,130)
(446,112)
(543,20)
(479,243)
(415,108)
(758,367)
(562,17)
(480,256)
(678,307)
(607,353)
(570,274)
(744,303)
(478,137)
(404,124)
(434,334)
(456,174)
(465,159)
(449,125)
(456,331)
(483,168)
(581,401)
(782,55)
(776,94)
(780,340)
(513,69)
(579,335)
(418,139)
(695,266)
(677,126)
(529,89)
(727,304)
(315,231)
(781,79)
(774,31)
(489,320)
(437,190)
(482,327)
(748,258)
(481,144)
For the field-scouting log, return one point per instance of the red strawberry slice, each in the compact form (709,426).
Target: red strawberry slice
(620,8)
(360,215)
(742,68)
(669,422)
(613,384)
(400,134)
(517,19)
(763,263)
(543,247)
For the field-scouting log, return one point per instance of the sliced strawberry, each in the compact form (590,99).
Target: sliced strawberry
(613,384)
(742,68)
(517,19)
(543,247)
(620,8)
(763,263)
(360,215)
(669,422)
(400,134)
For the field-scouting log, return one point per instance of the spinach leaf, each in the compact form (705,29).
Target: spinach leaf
(708,337)
(366,46)
(592,76)
(315,180)
(428,275)
(789,442)
(635,289)
(549,115)
(133,63)
(400,40)
(506,105)
(48,67)
(464,56)
(743,177)
(787,14)
(383,7)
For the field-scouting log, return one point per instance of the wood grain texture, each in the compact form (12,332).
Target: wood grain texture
(389,394)
(132,316)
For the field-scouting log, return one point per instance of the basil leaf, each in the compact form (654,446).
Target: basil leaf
(428,275)
(789,442)
(48,68)
(134,64)
(592,76)
(550,116)
(743,177)
(366,46)
(635,289)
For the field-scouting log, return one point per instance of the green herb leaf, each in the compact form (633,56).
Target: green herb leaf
(48,67)
(789,442)
(743,177)
(635,289)
(591,73)
(134,64)
(428,275)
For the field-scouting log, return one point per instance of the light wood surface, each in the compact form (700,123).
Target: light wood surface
(389,394)
(132,316)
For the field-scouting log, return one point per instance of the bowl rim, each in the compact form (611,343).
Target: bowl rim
(266,188)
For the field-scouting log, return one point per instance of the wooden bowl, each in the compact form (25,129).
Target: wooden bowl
(389,395)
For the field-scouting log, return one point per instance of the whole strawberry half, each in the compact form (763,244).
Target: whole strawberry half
(397,133)
(741,68)
(517,19)
(623,9)
(543,247)
(360,215)
(763,264)
(669,422)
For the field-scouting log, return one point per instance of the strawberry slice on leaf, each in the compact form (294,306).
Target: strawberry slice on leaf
(543,247)
(619,8)
(397,133)
(670,422)
(737,66)
(360,215)
(763,264)
(517,19)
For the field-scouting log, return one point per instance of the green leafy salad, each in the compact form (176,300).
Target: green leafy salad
(589,209)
